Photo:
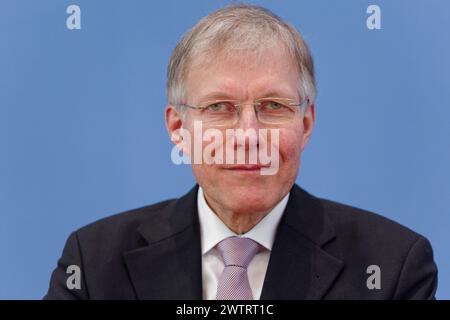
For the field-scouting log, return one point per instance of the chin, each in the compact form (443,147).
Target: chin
(251,202)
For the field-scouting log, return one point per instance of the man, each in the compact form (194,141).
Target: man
(239,233)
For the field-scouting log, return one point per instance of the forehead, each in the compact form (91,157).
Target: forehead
(243,76)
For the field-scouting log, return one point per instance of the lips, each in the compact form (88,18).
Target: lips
(246,167)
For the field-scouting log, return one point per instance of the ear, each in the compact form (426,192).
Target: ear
(174,126)
(308,123)
(174,122)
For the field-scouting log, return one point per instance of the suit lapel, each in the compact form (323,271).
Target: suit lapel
(299,266)
(169,266)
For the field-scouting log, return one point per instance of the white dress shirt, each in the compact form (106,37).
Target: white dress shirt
(213,230)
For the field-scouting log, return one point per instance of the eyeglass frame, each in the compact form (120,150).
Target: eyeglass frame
(238,105)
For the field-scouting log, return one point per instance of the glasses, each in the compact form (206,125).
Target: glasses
(271,111)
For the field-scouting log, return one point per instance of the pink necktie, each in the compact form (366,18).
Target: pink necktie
(236,253)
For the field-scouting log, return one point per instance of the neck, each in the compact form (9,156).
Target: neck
(238,222)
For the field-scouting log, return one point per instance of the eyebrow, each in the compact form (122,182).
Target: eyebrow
(219,95)
(277,94)
(216,95)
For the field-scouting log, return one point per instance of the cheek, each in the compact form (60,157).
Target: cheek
(290,144)
(200,171)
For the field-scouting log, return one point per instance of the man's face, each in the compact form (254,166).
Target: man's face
(231,187)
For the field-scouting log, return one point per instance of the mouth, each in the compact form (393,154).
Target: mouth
(245,168)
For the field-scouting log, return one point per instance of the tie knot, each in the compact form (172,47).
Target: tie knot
(238,251)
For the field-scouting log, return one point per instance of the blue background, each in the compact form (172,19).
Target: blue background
(82,134)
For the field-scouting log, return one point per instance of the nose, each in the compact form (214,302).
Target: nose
(248,118)
(249,124)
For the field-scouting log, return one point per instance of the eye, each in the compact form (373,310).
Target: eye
(220,107)
(272,105)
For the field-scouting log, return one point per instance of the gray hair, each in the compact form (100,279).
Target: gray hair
(238,27)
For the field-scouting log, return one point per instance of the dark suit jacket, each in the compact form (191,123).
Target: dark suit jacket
(321,251)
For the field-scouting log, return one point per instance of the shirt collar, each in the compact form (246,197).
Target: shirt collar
(213,230)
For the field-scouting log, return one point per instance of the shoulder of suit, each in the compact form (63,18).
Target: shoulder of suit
(123,224)
(348,219)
